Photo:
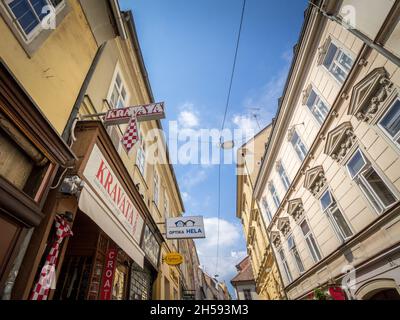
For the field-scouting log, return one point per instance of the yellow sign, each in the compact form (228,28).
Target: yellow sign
(173,259)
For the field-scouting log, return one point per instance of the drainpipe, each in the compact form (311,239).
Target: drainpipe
(75,109)
(12,276)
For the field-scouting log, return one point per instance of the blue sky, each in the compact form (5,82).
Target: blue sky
(188,48)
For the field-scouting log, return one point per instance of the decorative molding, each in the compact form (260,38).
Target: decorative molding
(306,94)
(339,141)
(276,239)
(283,225)
(296,209)
(315,180)
(290,133)
(369,94)
(322,50)
(278,164)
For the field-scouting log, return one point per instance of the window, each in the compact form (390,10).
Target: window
(295,254)
(330,208)
(141,154)
(309,237)
(317,107)
(285,265)
(390,122)
(370,182)
(29,14)
(337,62)
(274,194)
(298,146)
(266,211)
(156,188)
(166,214)
(284,178)
(118,96)
(247,294)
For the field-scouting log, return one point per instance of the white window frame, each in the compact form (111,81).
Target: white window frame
(292,250)
(156,188)
(285,265)
(283,180)
(296,146)
(266,210)
(118,72)
(328,212)
(310,247)
(274,194)
(320,99)
(341,48)
(364,185)
(29,37)
(396,139)
(141,154)
(166,204)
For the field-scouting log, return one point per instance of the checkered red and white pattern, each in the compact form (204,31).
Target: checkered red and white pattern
(130,136)
(42,287)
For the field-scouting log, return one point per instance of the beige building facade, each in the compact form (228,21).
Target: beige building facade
(265,270)
(329,183)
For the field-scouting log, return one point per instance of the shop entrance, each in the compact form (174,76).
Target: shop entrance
(82,271)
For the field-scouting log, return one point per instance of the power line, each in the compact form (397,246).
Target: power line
(223,126)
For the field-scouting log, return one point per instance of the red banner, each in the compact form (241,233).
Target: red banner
(108,274)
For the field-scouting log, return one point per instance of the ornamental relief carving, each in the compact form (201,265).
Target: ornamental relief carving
(284,226)
(296,209)
(276,239)
(339,141)
(369,94)
(315,180)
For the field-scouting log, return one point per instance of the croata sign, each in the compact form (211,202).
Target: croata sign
(132,115)
(185,228)
(108,274)
(103,180)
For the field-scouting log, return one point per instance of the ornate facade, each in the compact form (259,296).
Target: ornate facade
(333,217)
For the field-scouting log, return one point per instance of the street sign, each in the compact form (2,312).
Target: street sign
(173,259)
(132,115)
(185,228)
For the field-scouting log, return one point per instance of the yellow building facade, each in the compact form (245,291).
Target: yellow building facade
(266,273)
(65,78)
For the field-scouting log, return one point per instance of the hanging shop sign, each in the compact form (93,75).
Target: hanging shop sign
(150,246)
(132,115)
(99,174)
(173,259)
(185,228)
(108,274)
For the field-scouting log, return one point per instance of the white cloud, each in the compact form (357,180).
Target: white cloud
(193,178)
(248,125)
(185,196)
(263,102)
(230,248)
(188,118)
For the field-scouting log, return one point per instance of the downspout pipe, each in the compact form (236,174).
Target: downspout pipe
(75,109)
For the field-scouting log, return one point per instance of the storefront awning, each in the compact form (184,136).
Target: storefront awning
(92,206)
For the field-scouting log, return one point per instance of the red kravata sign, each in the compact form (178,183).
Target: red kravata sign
(108,274)
(132,115)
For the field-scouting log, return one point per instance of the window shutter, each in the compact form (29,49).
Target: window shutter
(322,50)
(306,94)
